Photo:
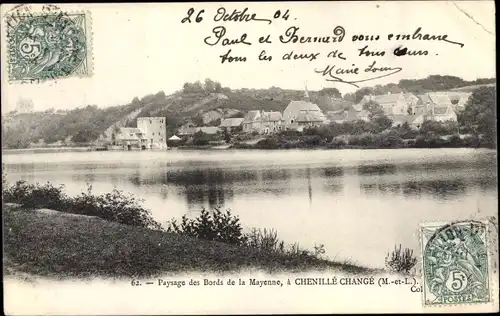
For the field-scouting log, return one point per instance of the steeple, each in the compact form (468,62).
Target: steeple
(306,94)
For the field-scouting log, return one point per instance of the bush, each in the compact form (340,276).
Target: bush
(388,141)
(226,228)
(268,143)
(454,141)
(266,240)
(336,143)
(365,139)
(114,206)
(201,139)
(35,195)
(216,226)
(400,261)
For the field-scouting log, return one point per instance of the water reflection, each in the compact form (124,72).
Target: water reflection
(438,189)
(377,169)
(213,183)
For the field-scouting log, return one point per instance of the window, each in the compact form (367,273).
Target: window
(150,122)
(153,134)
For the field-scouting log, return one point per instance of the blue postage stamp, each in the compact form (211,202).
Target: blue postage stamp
(48,45)
(455,263)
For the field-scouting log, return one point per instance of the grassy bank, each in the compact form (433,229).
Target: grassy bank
(80,246)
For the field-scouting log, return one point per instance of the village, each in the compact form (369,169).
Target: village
(401,108)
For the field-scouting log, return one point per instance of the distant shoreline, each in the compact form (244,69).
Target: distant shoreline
(45,149)
(204,148)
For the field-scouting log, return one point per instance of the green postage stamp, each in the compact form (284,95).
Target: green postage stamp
(455,263)
(47,45)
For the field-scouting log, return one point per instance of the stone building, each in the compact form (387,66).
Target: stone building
(154,131)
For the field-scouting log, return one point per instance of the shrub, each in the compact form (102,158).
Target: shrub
(454,141)
(365,139)
(35,195)
(268,143)
(266,240)
(388,141)
(471,141)
(216,226)
(336,143)
(114,206)
(401,261)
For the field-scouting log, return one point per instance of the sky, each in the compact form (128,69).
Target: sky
(139,49)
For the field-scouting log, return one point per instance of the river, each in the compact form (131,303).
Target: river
(358,203)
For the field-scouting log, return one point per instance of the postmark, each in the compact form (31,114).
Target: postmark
(455,263)
(47,44)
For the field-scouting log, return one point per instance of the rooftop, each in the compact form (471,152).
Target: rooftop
(231,122)
(251,116)
(271,116)
(440,110)
(295,107)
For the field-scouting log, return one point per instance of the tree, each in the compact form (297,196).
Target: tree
(201,139)
(373,108)
(218,87)
(334,92)
(360,93)
(479,114)
(377,116)
(350,97)
(209,85)
(85,136)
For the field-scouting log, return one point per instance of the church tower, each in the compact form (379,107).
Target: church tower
(306,93)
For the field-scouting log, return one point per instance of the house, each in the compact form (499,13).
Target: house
(304,109)
(190,131)
(263,122)
(154,130)
(24,106)
(308,113)
(130,137)
(411,99)
(210,130)
(414,121)
(251,122)
(458,99)
(332,103)
(310,118)
(231,124)
(270,122)
(436,106)
(187,131)
(430,100)
(443,114)
(390,103)
(439,99)
(351,114)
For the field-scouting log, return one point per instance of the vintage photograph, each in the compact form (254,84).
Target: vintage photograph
(287,151)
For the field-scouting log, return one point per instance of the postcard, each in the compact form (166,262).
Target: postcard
(249,158)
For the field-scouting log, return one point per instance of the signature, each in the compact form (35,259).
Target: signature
(331,73)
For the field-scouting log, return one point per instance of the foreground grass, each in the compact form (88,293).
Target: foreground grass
(55,245)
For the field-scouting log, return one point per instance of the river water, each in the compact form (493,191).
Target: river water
(358,203)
